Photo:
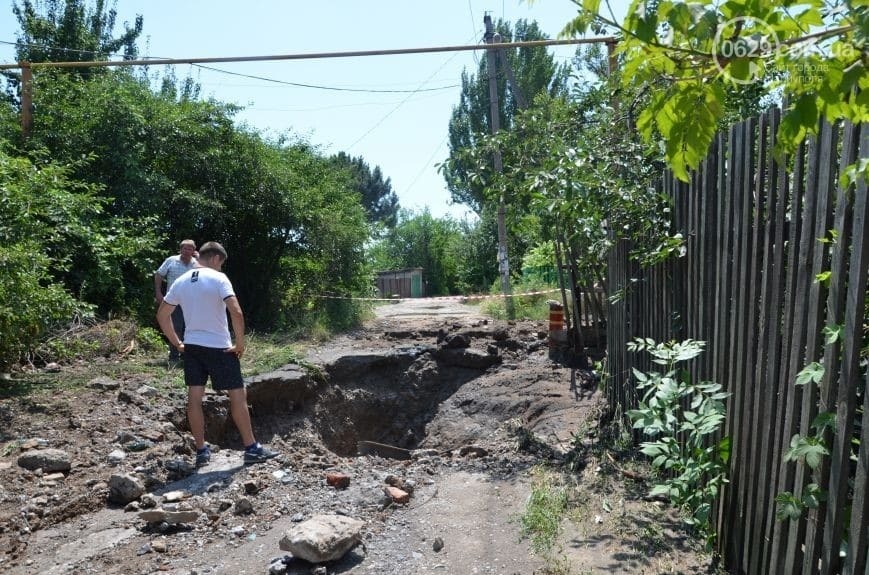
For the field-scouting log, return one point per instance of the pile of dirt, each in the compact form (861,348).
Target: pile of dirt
(455,409)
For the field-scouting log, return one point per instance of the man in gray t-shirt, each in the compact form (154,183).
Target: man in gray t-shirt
(170,270)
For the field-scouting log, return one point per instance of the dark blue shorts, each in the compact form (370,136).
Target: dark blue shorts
(201,362)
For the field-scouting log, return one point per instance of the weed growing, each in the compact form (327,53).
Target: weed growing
(546,506)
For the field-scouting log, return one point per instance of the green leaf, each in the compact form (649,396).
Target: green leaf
(824,278)
(724,449)
(660,489)
(833,333)
(800,119)
(808,448)
(788,507)
(823,421)
(812,373)
(680,17)
(653,449)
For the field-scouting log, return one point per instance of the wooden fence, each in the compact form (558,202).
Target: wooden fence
(773,279)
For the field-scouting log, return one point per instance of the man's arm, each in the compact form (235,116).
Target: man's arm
(237,317)
(158,288)
(164,318)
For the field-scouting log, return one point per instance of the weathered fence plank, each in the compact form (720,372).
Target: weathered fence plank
(766,327)
(828,141)
(776,320)
(858,536)
(847,284)
(789,395)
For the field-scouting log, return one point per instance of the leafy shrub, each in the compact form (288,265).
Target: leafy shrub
(683,417)
(90,339)
(30,304)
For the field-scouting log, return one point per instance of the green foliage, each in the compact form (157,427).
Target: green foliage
(71,31)
(377,195)
(68,31)
(31,304)
(683,417)
(533,307)
(292,224)
(693,59)
(569,176)
(833,333)
(266,352)
(811,373)
(90,339)
(150,339)
(55,246)
(810,449)
(792,507)
(538,265)
(420,240)
(536,72)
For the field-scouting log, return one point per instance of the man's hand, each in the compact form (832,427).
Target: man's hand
(237,349)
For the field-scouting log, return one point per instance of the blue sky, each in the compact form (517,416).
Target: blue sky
(405,133)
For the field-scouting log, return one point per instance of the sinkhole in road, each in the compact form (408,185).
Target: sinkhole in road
(387,398)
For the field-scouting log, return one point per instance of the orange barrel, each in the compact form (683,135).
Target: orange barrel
(556,322)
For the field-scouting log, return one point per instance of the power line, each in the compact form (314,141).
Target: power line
(426,165)
(308,56)
(400,104)
(320,87)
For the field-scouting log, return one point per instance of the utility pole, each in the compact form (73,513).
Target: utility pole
(495,115)
(26,99)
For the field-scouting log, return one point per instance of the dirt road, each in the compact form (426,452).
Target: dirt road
(479,404)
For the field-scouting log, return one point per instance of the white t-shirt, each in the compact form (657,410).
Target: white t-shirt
(201,293)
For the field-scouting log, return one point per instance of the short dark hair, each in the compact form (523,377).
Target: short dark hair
(210,249)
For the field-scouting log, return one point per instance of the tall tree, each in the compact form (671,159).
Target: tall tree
(285,215)
(535,71)
(378,198)
(71,31)
(68,31)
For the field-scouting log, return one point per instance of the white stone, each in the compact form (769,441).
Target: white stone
(322,538)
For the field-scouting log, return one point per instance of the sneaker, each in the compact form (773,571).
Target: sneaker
(258,454)
(203,456)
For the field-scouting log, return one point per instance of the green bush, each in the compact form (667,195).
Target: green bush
(30,304)
(683,417)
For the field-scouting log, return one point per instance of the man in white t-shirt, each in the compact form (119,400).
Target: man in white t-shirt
(204,295)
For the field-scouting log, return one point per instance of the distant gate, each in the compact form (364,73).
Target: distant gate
(402,283)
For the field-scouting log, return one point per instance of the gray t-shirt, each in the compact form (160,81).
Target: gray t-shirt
(173,268)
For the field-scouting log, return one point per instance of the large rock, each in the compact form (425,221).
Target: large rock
(124,488)
(48,460)
(322,538)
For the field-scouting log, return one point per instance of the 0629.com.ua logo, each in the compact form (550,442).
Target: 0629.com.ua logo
(739,47)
